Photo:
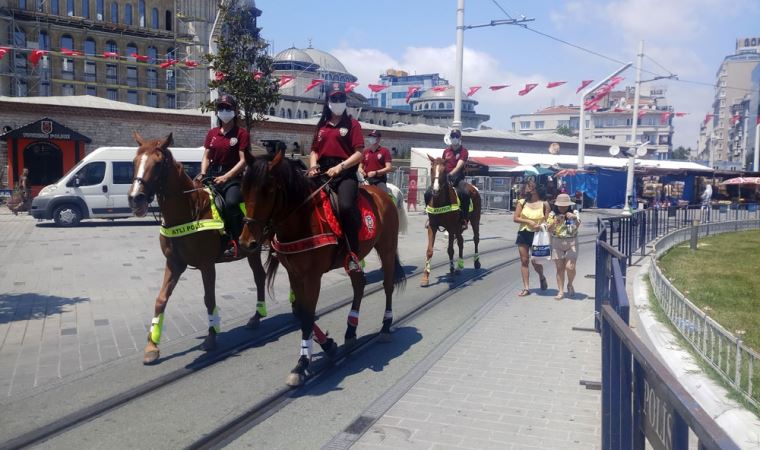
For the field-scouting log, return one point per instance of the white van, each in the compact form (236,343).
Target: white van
(97,187)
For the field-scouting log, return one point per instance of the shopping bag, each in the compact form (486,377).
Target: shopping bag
(541,244)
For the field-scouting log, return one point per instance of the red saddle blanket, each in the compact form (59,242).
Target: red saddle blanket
(369,221)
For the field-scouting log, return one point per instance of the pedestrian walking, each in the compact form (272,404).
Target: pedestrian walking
(336,152)
(563,225)
(706,207)
(224,160)
(25,193)
(376,162)
(531,212)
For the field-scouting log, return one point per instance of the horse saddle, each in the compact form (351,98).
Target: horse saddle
(329,203)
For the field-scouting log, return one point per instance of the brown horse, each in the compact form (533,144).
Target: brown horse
(183,202)
(443,212)
(282,205)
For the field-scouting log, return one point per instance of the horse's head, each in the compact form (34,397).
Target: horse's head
(150,170)
(438,174)
(263,194)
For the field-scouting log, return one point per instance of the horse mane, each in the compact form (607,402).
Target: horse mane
(294,184)
(156,144)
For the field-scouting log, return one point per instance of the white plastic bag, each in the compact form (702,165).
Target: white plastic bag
(541,244)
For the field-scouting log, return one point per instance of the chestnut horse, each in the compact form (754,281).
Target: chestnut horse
(443,212)
(183,202)
(283,205)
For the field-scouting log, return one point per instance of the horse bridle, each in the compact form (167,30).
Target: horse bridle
(159,190)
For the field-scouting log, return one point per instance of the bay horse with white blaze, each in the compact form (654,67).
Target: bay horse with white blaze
(443,212)
(187,213)
(286,207)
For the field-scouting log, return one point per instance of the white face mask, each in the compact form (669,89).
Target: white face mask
(455,142)
(371,141)
(337,108)
(225,116)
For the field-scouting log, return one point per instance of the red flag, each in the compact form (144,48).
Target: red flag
(257,74)
(68,52)
(614,81)
(3,51)
(411,91)
(708,117)
(219,76)
(376,87)
(314,83)
(584,83)
(664,117)
(618,110)
(285,79)
(591,105)
(641,113)
(473,90)
(602,92)
(439,88)
(350,86)
(138,57)
(737,117)
(496,87)
(554,84)
(168,63)
(681,114)
(190,63)
(110,55)
(528,87)
(36,55)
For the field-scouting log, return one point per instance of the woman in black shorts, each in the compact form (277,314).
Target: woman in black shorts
(530,213)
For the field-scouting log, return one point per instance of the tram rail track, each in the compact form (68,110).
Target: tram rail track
(266,407)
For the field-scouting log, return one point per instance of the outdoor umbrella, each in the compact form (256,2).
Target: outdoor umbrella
(524,168)
(742,180)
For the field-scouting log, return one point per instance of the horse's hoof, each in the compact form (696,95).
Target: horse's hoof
(477,264)
(253,323)
(150,357)
(424,283)
(209,343)
(385,338)
(350,342)
(294,380)
(332,350)
(457,272)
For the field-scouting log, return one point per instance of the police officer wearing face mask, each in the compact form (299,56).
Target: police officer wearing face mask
(376,162)
(455,157)
(336,152)
(224,160)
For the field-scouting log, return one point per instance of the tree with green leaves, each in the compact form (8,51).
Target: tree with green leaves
(241,65)
(681,153)
(564,130)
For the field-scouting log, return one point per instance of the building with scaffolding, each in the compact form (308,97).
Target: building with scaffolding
(144,52)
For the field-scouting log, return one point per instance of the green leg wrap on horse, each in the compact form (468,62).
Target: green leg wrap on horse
(460,263)
(476,257)
(156,327)
(261,308)
(292,297)
(214,321)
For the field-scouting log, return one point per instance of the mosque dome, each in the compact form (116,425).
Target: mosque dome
(325,60)
(293,55)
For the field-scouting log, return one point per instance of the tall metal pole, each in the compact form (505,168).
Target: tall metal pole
(634,140)
(212,48)
(457,123)
(756,158)
(582,125)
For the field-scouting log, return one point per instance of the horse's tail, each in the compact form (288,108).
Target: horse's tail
(403,220)
(399,276)
(272,264)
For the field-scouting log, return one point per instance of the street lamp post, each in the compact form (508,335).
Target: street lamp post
(756,156)
(457,123)
(634,140)
(582,124)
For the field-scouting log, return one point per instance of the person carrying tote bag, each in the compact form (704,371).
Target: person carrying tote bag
(563,225)
(530,213)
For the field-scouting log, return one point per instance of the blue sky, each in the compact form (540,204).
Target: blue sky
(687,37)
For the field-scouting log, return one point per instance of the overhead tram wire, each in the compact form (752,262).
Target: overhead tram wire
(502,9)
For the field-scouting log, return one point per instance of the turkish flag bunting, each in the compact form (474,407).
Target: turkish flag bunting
(618,110)
(602,92)
(138,57)
(68,52)
(110,55)
(285,79)
(219,76)
(641,113)
(168,63)
(496,87)
(664,118)
(735,119)
(350,86)
(708,117)
(554,84)
(257,74)
(411,91)
(473,90)
(681,114)
(314,83)
(3,52)
(584,83)
(614,81)
(376,87)
(591,105)
(439,88)
(190,63)
(36,55)
(528,87)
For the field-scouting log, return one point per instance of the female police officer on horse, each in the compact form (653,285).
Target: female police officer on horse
(336,152)
(224,160)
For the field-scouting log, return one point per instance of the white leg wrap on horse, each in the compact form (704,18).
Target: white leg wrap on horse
(353,318)
(388,315)
(427,266)
(306,347)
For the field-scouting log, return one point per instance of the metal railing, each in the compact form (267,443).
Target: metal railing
(738,364)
